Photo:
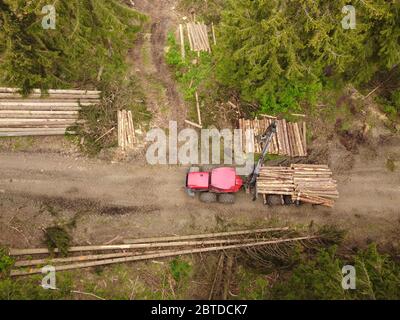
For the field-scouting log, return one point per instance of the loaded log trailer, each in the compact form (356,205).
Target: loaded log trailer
(277,185)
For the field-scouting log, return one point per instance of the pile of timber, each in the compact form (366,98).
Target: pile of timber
(314,184)
(28,261)
(198,37)
(303,182)
(289,140)
(40,114)
(126,131)
(275,180)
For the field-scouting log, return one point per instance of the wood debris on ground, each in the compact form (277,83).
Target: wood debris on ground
(126,131)
(290,138)
(303,182)
(42,114)
(28,261)
(222,278)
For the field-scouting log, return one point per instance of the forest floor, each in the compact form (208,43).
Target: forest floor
(135,200)
(148,58)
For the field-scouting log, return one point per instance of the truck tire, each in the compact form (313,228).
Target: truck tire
(274,200)
(226,198)
(208,197)
(288,200)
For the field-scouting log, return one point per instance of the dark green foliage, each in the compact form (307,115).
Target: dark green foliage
(391,105)
(377,277)
(319,278)
(30,289)
(277,53)
(193,74)
(89,35)
(180,269)
(6,262)
(57,238)
(252,286)
(331,234)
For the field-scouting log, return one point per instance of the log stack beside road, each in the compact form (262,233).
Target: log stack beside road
(198,37)
(42,114)
(289,140)
(126,131)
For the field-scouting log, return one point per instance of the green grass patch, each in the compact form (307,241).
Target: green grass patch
(6,262)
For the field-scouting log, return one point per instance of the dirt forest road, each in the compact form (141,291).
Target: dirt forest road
(136,200)
(147,57)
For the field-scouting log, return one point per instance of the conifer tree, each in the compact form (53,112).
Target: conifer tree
(272,50)
(90,35)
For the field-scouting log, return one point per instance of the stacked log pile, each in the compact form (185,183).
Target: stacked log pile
(275,180)
(41,114)
(198,37)
(126,131)
(289,140)
(303,182)
(29,261)
(314,184)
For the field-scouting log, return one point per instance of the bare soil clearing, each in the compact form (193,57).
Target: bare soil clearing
(162,96)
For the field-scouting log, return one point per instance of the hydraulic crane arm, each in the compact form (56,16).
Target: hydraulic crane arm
(266,138)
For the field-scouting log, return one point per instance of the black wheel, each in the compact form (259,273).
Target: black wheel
(208,197)
(287,200)
(274,200)
(227,198)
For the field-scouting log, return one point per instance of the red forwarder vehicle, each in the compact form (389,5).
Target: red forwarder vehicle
(221,184)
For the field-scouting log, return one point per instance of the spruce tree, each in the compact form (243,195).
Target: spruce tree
(89,35)
(273,52)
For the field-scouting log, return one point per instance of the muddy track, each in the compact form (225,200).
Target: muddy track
(162,95)
(151,199)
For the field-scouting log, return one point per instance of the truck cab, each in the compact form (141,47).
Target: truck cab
(219,180)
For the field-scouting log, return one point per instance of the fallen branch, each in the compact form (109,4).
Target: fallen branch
(18,252)
(159,255)
(203,236)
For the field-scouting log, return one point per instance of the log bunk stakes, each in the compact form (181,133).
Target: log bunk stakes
(40,114)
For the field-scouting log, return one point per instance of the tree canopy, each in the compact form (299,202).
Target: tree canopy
(90,37)
(275,52)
